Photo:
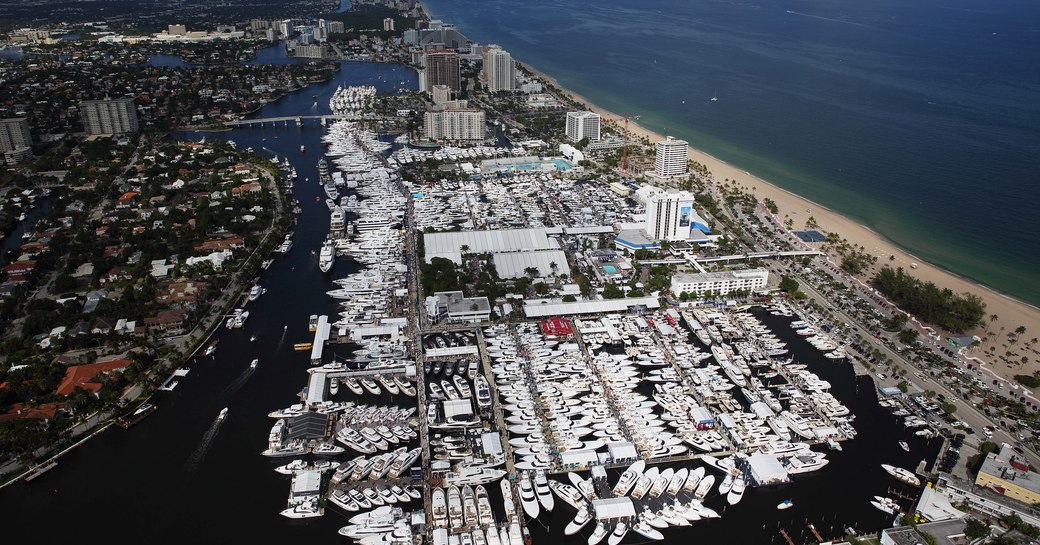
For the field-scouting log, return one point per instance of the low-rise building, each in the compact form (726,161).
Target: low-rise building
(721,282)
(456,307)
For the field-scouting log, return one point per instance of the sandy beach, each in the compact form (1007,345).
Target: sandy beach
(1011,313)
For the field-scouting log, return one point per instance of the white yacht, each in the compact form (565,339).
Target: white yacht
(327,257)
(902,475)
(528,498)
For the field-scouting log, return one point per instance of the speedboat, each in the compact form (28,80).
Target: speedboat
(902,475)
(786,504)
(223,413)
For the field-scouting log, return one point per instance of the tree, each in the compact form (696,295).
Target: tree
(908,336)
(976,529)
(611,291)
(788,284)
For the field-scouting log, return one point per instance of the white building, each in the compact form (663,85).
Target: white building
(455,125)
(454,306)
(583,125)
(671,158)
(285,28)
(669,214)
(720,282)
(499,71)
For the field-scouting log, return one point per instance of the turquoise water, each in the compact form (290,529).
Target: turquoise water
(917,119)
(610,269)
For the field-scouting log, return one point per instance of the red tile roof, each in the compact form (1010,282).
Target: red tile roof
(19,411)
(81,376)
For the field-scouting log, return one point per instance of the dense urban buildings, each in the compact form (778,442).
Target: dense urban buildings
(583,125)
(499,72)
(671,158)
(109,116)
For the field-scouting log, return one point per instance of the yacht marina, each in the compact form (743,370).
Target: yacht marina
(632,423)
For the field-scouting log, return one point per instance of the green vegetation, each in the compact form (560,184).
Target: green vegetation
(975,462)
(439,275)
(926,300)
(366,19)
(788,284)
(976,529)
(1029,381)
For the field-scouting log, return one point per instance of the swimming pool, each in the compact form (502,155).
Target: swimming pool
(610,269)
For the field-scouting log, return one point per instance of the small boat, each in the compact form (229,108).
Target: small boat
(223,413)
(252,337)
(786,504)
(254,362)
(905,446)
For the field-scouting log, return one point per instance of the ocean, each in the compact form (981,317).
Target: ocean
(917,119)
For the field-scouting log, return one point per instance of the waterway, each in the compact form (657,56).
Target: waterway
(181,477)
(178,477)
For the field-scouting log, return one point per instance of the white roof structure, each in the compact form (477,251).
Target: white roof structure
(766,469)
(588,307)
(321,334)
(513,264)
(316,388)
(306,483)
(622,450)
(614,508)
(457,407)
(491,443)
(449,244)
(583,456)
(452,351)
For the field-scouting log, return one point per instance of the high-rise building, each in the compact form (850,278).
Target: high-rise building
(259,25)
(388,24)
(109,116)
(442,68)
(499,72)
(441,94)
(455,125)
(672,158)
(411,37)
(285,28)
(336,27)
(14,134)
(583,125)
(176,30)
(669,214)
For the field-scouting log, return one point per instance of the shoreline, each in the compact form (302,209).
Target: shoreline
(1011,311)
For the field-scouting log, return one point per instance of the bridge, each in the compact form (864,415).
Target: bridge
(299,120)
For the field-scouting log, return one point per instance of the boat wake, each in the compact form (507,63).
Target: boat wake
(831,19)
(199,454)
(240,381)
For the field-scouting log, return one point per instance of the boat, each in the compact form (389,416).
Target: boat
(886,505)
(303,149)
(440,508)
(715,97)
(597,534)
(254,363)
(628,478)
(786,504)
(618,534)
(834,445)
(580,520)
(528,498)
(334,386)
(905,446)
(138,415)
(327,257)
(541,488)
(902,475)
(255,292)
(736,493)
(210,349)
(455,514)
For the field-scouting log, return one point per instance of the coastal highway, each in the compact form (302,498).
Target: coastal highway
(966,411)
